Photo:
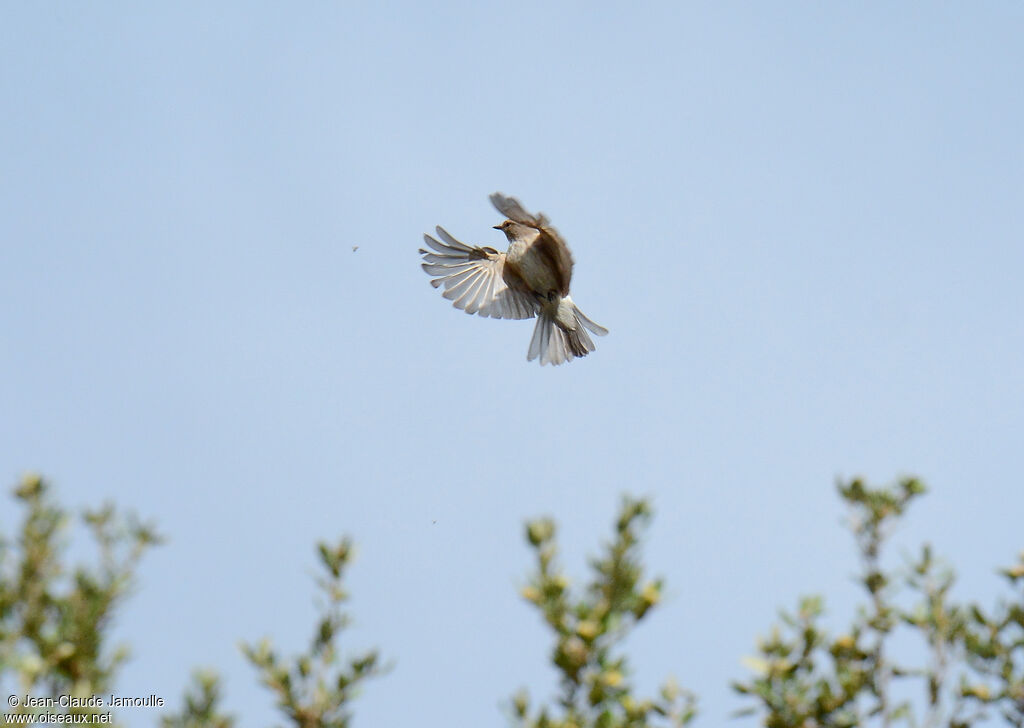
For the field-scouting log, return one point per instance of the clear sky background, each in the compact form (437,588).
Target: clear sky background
(802,223)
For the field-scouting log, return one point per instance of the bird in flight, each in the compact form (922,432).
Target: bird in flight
(529,279)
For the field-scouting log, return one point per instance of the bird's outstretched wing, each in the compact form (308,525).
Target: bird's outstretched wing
(472,278)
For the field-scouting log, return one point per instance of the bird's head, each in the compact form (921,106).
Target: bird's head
(514,230)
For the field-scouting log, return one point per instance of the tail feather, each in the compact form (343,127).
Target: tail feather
(556,343)
(539,341)
(583,319)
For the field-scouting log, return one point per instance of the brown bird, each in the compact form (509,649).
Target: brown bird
(530,279)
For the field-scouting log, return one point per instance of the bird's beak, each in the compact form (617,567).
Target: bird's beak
(496,227)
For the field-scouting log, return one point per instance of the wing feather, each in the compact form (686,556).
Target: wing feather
(511,208)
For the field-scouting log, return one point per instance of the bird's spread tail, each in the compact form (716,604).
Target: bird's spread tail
(561,334)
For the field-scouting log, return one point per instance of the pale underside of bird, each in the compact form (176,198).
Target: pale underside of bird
(529,279)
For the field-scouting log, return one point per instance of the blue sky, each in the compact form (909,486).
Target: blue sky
(801,223)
